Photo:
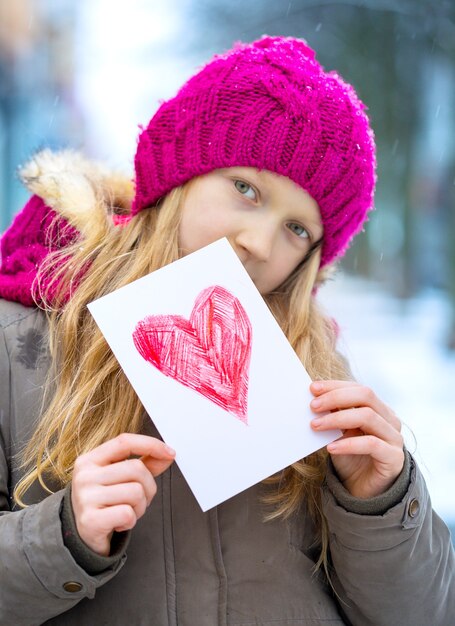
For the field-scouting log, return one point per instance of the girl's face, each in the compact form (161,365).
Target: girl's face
(269,220)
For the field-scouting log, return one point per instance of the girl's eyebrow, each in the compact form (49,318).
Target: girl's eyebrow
(236,170)
(261,179)
(251,175)
(239,170)
(313,221)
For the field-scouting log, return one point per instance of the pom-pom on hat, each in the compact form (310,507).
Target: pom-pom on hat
(269,105)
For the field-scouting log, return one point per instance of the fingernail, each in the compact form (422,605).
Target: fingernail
(318,386)
(332,446)
(317,421)
(316,403)
(169,450)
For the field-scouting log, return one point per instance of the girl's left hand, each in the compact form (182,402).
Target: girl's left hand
(369,456)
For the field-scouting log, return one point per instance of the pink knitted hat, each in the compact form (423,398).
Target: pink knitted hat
(268,105)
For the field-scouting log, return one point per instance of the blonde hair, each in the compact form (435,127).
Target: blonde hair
(88,398)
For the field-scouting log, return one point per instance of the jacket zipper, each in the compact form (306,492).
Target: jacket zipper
(219,564)
(169,552)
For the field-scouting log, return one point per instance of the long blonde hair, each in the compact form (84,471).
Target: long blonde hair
(89,400)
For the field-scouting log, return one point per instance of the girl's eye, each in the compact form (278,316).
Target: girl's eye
(243,188)
(299,230)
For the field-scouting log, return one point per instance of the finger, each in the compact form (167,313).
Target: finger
(123,472)
(132,494)
(156,466)
(128,444)
(119,518)
(95,525)
(321,386)
(339,395)
(379,450)
(364,419)
(131,470)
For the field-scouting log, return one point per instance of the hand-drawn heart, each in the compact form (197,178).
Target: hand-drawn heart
(209,353)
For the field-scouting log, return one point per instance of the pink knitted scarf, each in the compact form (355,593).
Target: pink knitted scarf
(35,232)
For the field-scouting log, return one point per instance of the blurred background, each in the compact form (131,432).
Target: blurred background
(86,74)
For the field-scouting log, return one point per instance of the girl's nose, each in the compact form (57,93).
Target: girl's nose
(256,243)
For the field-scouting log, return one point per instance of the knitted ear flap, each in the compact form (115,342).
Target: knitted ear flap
(268,105)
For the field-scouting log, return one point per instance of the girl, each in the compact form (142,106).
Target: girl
(98,525)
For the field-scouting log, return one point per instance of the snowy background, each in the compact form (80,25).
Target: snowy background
(86,74)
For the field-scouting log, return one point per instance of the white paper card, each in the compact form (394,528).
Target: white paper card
(213,370)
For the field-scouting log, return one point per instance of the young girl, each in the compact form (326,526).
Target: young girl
(98,525)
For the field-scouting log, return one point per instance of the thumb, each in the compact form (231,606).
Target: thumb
(158,466)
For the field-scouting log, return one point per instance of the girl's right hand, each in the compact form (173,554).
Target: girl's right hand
(111,491)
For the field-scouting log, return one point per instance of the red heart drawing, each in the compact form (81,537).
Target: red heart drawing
(209,353)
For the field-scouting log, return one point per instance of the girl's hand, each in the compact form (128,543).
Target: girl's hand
(369,456)
(111,491)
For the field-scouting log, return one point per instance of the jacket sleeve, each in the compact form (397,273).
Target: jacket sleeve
(35,565)
(394,569)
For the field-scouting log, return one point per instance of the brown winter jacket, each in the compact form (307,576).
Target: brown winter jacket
(392,556)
